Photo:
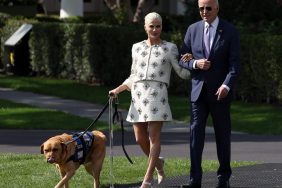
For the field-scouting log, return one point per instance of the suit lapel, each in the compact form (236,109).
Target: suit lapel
(202,26)
(217,36)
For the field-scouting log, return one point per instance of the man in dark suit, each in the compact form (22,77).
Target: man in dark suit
(214,44)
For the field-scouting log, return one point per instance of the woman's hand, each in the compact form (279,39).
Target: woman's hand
(113,92)
(186,57)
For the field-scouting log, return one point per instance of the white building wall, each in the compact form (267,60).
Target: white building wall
(71,8)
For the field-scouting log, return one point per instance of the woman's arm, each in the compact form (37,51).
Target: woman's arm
(119,89)
(181,72)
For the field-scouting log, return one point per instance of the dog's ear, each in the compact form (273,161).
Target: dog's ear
(64,147)
(42,149)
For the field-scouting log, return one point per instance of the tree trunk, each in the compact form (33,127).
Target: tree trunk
(121,9)
(143,7)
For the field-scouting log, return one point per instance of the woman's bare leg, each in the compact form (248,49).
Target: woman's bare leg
(154,130)
(142,136)
(143,139)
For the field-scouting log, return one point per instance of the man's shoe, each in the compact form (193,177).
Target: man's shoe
(191,185)
(223,184)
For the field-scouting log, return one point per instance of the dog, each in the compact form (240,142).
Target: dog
(68,152)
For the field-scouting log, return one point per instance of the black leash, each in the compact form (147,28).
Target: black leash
(93,122)
(118,117)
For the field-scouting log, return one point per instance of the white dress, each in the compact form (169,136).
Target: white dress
(149,79)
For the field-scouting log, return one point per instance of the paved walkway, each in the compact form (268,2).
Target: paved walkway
(175,138)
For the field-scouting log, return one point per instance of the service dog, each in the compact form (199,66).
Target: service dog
(68,152)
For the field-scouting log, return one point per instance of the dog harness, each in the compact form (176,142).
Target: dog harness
(83,146)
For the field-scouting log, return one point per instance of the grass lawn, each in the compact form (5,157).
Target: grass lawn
(32,171)
(20,116)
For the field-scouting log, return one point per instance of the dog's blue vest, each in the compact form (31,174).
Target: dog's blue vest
(83,146)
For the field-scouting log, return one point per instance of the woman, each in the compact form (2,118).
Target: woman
(152,61)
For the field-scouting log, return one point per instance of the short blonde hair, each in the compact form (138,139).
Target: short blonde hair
(152,16)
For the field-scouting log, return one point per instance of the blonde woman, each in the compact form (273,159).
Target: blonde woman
(152,61)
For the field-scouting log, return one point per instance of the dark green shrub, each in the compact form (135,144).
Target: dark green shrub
(261,68)
(17,2)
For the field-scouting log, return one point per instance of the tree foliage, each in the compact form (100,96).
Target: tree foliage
(122,10)
(256,15)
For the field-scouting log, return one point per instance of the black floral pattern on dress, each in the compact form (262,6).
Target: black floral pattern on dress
(165,49)
(141,76)
(154,94)
(157,53)
(165,116)
(153,76)
(132,117)
(142,65)
(145,117)
(138,49)
(163,101)
(144,53)
(139,94)
(145,101)
(139,111)
(161,73)
(146,85)
(154,64)
(154,110)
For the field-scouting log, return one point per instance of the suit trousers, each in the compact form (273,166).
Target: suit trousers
(220,113)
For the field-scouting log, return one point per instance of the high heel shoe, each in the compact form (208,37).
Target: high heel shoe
(160,171)
(146,185)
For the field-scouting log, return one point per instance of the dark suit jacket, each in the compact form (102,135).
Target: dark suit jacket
(224,57)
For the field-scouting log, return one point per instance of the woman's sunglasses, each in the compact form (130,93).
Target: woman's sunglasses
(205,8)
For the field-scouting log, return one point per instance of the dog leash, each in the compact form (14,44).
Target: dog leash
(93,122)
(119,118)
(116,116)
(111,138)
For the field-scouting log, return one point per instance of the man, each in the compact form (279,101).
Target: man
(214,68)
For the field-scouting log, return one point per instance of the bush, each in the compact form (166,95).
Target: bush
(260,79)
(17,2)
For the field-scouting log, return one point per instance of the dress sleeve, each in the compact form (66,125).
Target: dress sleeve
(129,81)
(181,72)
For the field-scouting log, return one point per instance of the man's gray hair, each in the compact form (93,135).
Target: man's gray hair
(152,16)
(216,1)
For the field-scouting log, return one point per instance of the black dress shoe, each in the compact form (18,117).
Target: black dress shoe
(191,185)
(223,184)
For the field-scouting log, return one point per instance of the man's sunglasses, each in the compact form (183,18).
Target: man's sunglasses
(203,8)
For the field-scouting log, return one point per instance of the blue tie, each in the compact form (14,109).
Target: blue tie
(207,40)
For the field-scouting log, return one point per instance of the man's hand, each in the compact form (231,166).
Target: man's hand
(203,64)
(186,57)
(221,93)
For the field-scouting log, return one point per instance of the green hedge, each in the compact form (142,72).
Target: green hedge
(86,52)
(261,72)
(99,53)
(17,2)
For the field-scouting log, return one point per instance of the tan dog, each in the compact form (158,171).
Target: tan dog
(67,156)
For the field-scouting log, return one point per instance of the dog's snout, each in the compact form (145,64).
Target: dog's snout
(50,160)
